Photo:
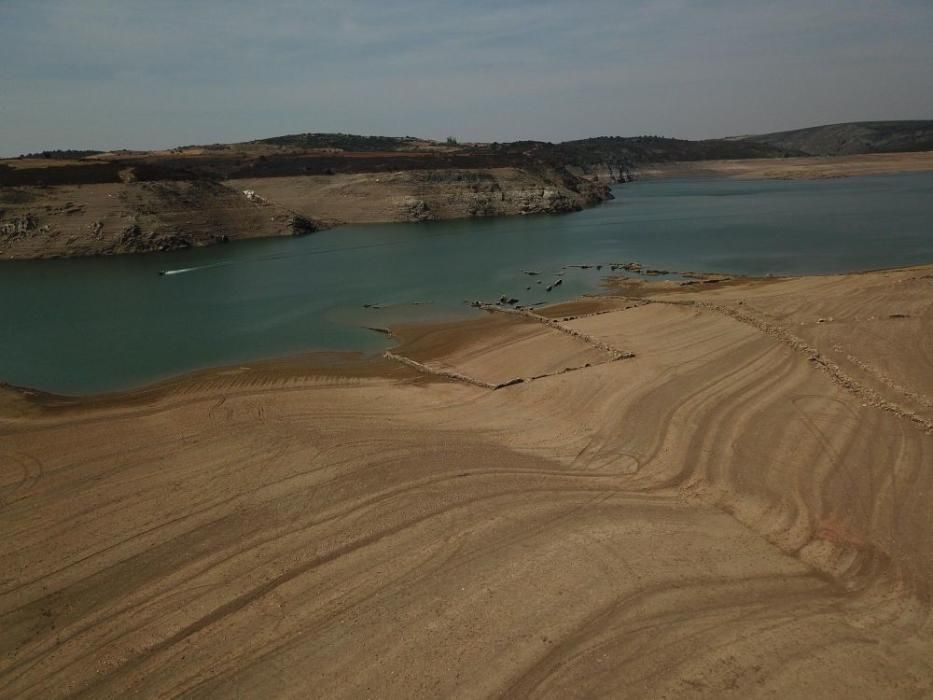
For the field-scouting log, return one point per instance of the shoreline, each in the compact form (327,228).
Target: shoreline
(107,223)
(304,365)
(537,503)
(101,219)
(354,363)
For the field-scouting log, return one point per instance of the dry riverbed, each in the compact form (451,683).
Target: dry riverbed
(697,492)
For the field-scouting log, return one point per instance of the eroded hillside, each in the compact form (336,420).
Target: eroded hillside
(127,202)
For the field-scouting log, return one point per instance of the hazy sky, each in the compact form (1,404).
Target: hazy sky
(149,73)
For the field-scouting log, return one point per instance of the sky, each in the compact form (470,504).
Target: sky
(155,73)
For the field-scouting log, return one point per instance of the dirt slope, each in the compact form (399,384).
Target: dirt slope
(720,515)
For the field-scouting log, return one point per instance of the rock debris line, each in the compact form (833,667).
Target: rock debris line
(868,396)
(613,352)
(894,386)
(449,374)
(466,379)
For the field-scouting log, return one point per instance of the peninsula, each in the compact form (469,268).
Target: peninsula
(74,203)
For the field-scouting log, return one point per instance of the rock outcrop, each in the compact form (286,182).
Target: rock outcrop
(427,195)
(134,217)
(132,203)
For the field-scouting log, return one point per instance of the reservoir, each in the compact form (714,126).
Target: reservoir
(92,325)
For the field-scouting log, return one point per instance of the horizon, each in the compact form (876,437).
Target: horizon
(102,75)
(749,135)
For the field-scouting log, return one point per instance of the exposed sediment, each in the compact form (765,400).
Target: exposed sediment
(716,515)
(99,207)
(425,195)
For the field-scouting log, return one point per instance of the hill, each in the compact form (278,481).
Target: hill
(659,149)
(616,157)
(343,142)
(851,138)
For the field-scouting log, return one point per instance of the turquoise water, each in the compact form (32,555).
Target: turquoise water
(92,325)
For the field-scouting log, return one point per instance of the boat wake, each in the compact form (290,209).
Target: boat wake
(182,270)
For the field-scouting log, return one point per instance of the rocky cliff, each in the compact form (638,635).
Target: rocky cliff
(95,207)
(424,195)
(135,217)
(73,202)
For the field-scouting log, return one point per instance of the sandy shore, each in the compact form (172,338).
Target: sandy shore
(691,493)
(811,168)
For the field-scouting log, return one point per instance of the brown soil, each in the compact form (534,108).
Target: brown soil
(811,168)
(727,513)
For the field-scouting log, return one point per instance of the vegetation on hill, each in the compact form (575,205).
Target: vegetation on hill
(852,138)
(62,154)
(629,152)
(344,142)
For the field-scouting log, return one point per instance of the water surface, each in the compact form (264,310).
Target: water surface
(91,325)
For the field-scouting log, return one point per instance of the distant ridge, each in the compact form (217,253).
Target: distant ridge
(851,138)
(625,153)
(343,142)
